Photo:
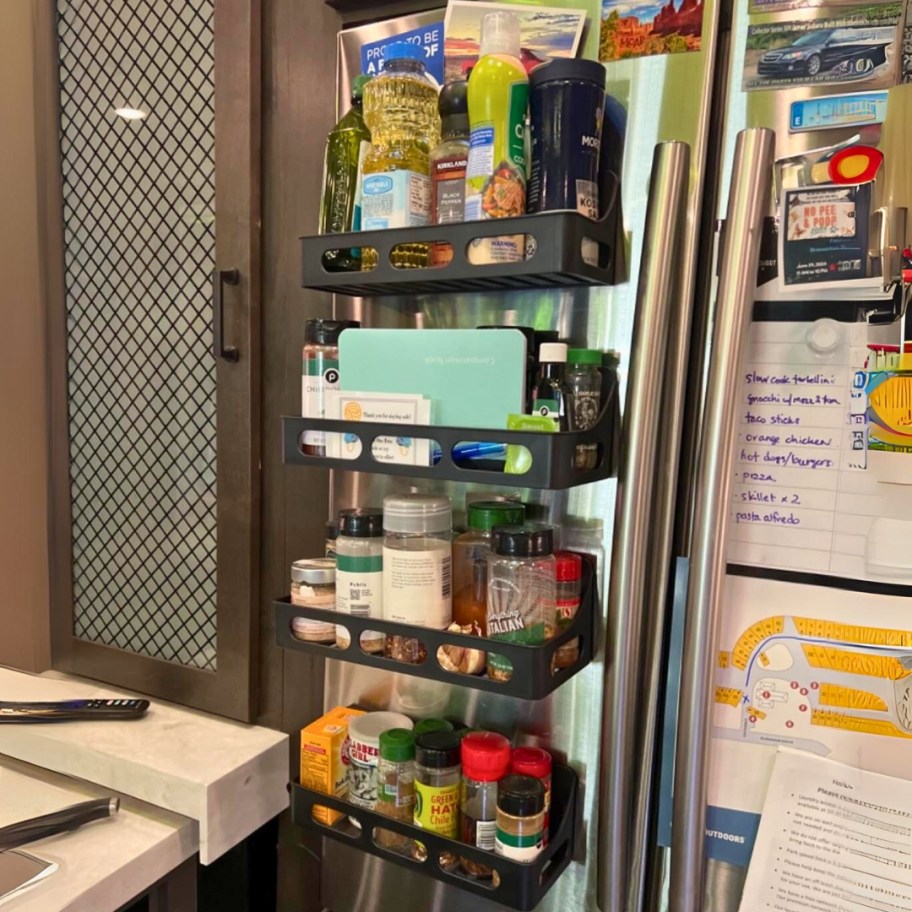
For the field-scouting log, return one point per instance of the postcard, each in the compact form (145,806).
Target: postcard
(856,48)
(546,32)
(643,28)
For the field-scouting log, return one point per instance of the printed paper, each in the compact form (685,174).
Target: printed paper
(637,28)
(858,47)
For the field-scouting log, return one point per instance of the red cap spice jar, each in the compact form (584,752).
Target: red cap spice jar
(485,760)
(569,575)
(535,762)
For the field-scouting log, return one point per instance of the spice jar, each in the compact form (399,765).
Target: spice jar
(470,555)
(569,576)
(537,763)
(432,725)
(364,753)
(321,373)
(520,818)
(485,760)
(396,783)
(438,774)
(521,588)
(359,573)
(417,568)
(584,381)
(313,585)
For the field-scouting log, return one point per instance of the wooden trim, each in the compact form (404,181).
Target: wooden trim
(230,690)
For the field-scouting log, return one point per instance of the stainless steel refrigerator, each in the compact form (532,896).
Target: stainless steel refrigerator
(683,167)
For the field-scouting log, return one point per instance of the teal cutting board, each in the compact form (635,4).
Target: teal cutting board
(473,377)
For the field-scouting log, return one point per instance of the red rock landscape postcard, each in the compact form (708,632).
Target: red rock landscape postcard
(639,28)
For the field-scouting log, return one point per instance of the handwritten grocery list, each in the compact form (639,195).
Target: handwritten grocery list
(801,498)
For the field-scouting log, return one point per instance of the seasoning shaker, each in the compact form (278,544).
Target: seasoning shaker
(521,589)
(364,753)
(313,585)
(321,374)
(537,763)
(417,568)
(359,573)
(583,380)
(396,784)
(485,760)
(438,776)
(520,818)
(569,576)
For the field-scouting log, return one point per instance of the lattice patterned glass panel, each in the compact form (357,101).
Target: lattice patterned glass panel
(138,211)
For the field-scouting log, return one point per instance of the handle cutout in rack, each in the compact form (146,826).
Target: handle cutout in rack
(535,673)
(516,885)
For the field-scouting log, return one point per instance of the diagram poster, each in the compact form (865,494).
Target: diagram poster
(639,28)
(857,47)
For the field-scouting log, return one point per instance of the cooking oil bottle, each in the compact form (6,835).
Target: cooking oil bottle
(400,110)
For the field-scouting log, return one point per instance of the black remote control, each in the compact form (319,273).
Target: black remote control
(72,710)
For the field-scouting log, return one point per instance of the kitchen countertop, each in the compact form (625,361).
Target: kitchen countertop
(229,777)
(102,865)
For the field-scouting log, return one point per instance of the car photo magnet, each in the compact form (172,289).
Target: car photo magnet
(824,234)
(858,48)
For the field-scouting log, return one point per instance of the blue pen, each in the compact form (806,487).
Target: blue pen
(474,450)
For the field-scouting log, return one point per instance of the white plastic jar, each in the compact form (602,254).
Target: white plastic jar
(359,573)
(417,567)
(364,753)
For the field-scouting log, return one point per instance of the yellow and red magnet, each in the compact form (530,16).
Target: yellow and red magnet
(855,165)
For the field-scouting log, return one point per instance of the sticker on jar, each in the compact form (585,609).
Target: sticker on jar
(362,773)
(437,808)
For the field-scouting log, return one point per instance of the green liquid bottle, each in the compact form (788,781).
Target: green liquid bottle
(340,206)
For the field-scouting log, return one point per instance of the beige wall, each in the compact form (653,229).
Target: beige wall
(24,640)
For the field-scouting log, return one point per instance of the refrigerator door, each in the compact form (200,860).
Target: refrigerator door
(714,884)
(661,99)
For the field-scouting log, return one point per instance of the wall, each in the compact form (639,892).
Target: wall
(24,637)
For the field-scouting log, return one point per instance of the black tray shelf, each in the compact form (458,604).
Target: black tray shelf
(521,886)
(552,454)
(557,263)
(532,678)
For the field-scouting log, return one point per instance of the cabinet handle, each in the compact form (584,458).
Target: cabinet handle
(220,278)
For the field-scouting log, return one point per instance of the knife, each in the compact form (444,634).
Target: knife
(62,821)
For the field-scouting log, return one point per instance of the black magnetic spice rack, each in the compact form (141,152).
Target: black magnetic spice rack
(532,677)
(518,885)
(558,260)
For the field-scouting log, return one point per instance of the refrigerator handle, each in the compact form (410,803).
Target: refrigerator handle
(662,239)
(748,203)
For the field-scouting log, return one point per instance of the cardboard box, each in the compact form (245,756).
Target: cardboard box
(324,767)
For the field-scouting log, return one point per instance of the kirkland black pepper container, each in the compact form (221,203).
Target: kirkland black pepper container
(567,103)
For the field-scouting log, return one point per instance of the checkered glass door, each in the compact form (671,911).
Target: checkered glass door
(139,234)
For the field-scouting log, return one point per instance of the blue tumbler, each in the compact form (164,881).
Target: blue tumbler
(567,105)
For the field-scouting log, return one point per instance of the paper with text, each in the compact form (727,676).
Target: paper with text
(832,838)
(802,499)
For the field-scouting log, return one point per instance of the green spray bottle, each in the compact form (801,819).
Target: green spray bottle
(498,96)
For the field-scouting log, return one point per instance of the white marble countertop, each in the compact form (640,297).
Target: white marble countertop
(229,777)
(102,865)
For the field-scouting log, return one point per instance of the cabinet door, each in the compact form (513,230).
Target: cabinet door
(151,117)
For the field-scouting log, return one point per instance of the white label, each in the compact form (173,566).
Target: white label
(480,164)
(395,199)
(356,214)
(360,594)
(587,198)
(417,587)
(518,853)
(485,831)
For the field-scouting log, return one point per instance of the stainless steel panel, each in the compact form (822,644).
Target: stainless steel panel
(748,204)
(666,99)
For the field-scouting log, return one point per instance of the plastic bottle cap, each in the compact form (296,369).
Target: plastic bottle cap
(438,750)
(520,796)
(552,352)
(327,332)
(397,745)
(425,726)
(584,356)
(531,761)
(569,566)
(419,513)
(358,84)
(453,100)
(332,530)
(361,522)
(523,541)
(485,756)
(568,69)
(500,34)
(317,570)
(402,50)
(484,514)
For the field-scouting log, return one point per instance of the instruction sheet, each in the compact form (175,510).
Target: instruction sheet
(832,838)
